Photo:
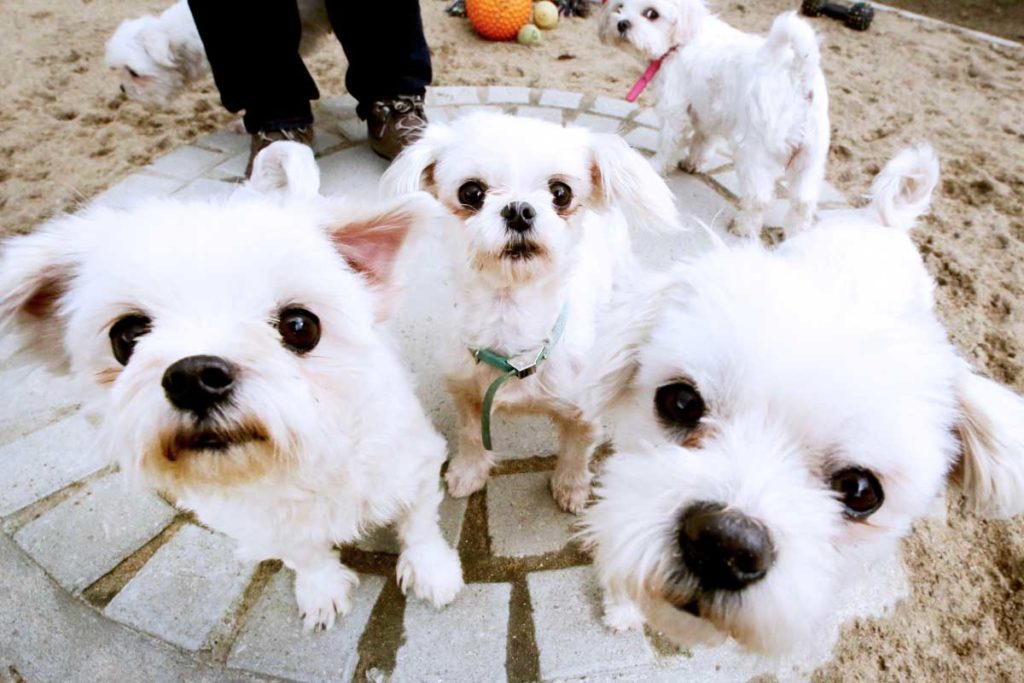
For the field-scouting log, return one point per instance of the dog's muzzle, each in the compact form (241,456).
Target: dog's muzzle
(724,549)
(197,384)
(518,216)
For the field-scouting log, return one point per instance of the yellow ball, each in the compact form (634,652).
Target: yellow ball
(545,14)
(529,35)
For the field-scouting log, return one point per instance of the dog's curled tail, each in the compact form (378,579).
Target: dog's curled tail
(791,33)
(902,192)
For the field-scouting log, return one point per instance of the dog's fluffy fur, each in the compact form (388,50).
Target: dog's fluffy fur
(155,57)
(765,96)
(511,285)
(822,355)
(314,447)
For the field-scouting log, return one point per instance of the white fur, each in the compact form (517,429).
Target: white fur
(511,305)
(347,446)
(157,56)
(823,354)
(765,96)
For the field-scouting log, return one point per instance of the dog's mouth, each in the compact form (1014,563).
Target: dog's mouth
(217,439)
(521,249)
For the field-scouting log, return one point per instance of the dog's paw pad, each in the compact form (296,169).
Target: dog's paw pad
(622,616)
(323,595)
(432,571)
(466,478)
(570,495)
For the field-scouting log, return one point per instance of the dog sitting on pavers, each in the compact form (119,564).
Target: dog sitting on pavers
(765,96)
(781,417)
(537,241)
(233,356)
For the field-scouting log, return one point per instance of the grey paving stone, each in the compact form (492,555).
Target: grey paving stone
(225,141)
(137,188)
(729,181)
(831,196)
(232,169)
(560,98)
(465,641)
(551,114)
(644,138)
(46,461)
(185,589)
(523,518)
(340,107)
(436,114)
(501,94)
(570,636)
(598,124)
(324,140)
(186,163)
(353,130)
(457,95)
(206,189)
(272,640)
(353,172)
(31,397)
(610,106)
(90,533)
(648,117)
(450,515)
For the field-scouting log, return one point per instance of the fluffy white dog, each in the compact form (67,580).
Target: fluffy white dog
(764,95)
(232,354)
(157,56)
(537,244)
(779,418)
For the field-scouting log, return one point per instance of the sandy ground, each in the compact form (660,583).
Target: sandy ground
(66,134)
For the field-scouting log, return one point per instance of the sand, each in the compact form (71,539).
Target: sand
(66,134)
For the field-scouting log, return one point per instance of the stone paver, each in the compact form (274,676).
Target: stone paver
(452,96)
(609,106)
(206,189)
(598,124)
(570,636)
(354,172)
(544,113)
(185,163)
(561,99)
(643,139)
(648,117)
(450,515)
(273,642)
(232,169)
(225,141)
(185,589)
(523,518)
(88,534)
(137,188)
(41,396)
(500,94)
(465,641)
(45,462)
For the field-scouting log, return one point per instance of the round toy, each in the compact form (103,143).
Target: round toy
(529,35)
(545,14)
(498,19)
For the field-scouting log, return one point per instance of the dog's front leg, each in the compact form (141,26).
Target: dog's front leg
(671,136)
(427,564)
(570,482)
(323,585)
(469,469)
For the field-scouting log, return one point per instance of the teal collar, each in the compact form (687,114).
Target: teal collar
(520,366)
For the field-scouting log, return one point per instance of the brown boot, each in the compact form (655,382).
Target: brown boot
(393,124)
(266,137)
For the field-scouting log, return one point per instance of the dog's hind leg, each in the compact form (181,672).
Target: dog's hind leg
(757,188)
(805,173)
(427,564)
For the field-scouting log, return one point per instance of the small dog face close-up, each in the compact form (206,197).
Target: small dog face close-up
(781,418)
(651,27)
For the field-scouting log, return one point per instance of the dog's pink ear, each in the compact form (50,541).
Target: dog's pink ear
(35,275)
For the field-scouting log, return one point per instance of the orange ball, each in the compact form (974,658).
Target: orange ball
(499,19)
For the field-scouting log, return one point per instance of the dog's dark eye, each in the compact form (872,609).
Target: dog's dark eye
(561,194)
(125,332)
(651,13)
(299,329)
(679,405)
(859,491)
(132,72)
(471,194)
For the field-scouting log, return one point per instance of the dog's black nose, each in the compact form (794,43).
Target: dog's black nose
(725,549)
(518,216)
(624,26)
(198,383)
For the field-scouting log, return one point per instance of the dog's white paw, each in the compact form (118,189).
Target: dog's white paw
(570,493)
(622,615)
(432,571)
(324,594)
(465,476)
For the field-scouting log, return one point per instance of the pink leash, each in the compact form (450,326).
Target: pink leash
(649,73)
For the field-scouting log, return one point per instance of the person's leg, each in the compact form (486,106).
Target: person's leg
(253,50)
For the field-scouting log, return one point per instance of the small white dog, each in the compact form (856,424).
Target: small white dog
(232,355)
(780,418)
(764,95)
(537,244)
(156,57)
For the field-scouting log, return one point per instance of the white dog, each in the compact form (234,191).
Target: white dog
(232,355)
(765,96)
(537,245)
(779,418)
(156,57)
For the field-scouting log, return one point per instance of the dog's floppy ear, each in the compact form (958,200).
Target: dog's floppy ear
(690,14)
(623,179)
(35,275)
(412,170)
(156,43)
(991,434)
(370,238)
(287,167)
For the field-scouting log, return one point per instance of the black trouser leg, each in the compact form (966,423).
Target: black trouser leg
(387,52)
(253,50)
